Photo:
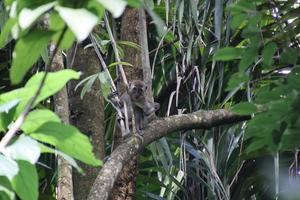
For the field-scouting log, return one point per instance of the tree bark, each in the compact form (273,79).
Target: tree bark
(124,188)
(87,115)
(61,107)
(125,152)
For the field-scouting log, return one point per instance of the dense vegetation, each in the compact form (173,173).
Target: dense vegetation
(205,55)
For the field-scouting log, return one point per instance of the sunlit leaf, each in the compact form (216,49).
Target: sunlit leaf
(28,16)
(5,32)
(24,148)
(9,105)
(116,7)
(8,167)
(70,160)
(68,139)
(38,117)
(26,182)
(6,192)
(80,21)
(28,49)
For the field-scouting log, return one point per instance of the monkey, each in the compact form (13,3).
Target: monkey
(135,102)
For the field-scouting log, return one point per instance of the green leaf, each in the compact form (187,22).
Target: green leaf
(294,78)
(5,32)
(228,53)
(116,7)
(6,192)
(120,63)
(289,56)
(24,148)
(26,53)
(38,117)
(8,167)
(256,145)
(70,160)
(57,25)
(80,21)
(248,58)
(244,108)
(236,81)
(68,139)
(9,105)
(28,16)
(238,20)
(268,53)
(26,182)
(105,84)
(134,3)
(54,82)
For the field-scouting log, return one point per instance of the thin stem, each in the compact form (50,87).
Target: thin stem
(114,44)
(19,121)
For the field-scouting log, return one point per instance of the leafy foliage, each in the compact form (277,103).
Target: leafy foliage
(22,23)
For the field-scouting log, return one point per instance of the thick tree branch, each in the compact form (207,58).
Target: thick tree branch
(155,130)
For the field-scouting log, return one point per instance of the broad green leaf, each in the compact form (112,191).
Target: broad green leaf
(116,7)
(5,32)
(8,167)
(80,21)
(26,182)
(68,139)
(24,148)
(6,192)
(294,78)
(105,84)
(28,16)
(57,25)
(268,53)
(244,108)
(248,58)
(256,145)
(236,81)
(38,117)
(9,105)
(26,53)
(237,20)
(54,82)
(289,56)
(70,160)
(228,53)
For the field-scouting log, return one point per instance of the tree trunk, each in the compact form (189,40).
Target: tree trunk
(87,114)
(124,188)
(61,107)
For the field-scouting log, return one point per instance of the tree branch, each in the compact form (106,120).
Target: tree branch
(155,130)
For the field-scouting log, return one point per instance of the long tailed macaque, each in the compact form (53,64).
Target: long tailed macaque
(135,100)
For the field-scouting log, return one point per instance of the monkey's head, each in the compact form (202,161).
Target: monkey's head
(137,90)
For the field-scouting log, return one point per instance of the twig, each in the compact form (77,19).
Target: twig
(114,44)
(114,89)
(17,124)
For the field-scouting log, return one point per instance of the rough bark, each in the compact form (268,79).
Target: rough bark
(87,115)
(125,152)
(125,186)
(61,107)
